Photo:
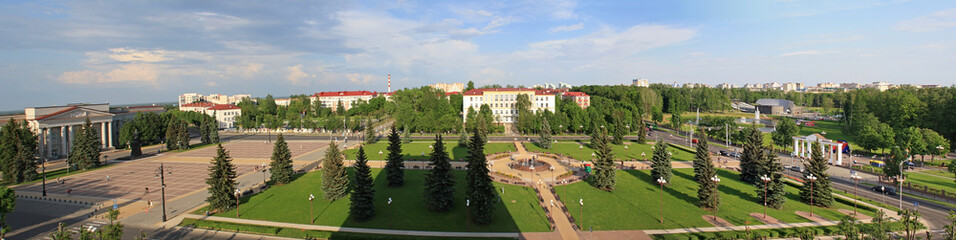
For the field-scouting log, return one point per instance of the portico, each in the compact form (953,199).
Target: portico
(56,127)
(833,151)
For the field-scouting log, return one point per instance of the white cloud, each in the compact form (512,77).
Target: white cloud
(802,53)
(296,76)
(567,28)
(127,73)
(133,55)
(932,22)
(607,43)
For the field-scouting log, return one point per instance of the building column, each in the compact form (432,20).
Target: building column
(102,134)
(796,146)
(64,137)
(109,134)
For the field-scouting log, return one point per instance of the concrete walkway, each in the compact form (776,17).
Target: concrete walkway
(356,230)
(562,224)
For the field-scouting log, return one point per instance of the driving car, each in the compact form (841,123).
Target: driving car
(884,190)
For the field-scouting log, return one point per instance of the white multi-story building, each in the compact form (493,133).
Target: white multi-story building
(641,82)
(213,98)
(225,114)
(502,101)
(332,99)
(449,87)
(283,101)
(828,85)
(726,86)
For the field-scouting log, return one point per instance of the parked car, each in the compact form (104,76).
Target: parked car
(734,154)
(884,190)
(798,169)
(722,153)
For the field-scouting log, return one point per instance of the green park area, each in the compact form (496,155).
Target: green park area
(636,203)
(419,151)
(582,151)
(932,181)
(518,210)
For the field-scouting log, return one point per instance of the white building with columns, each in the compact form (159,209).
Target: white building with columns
(832,150)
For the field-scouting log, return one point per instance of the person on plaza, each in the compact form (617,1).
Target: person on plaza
(147,189)
(107,178)
(69,192)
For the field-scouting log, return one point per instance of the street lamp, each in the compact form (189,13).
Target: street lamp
(236,192)
(581,201)
(856,181)
(716,182)
(43,166)
(661,181)
(468,214)
(161,174)
(811,178)
(900,179)
(311,218)
(765,180)
(389,215)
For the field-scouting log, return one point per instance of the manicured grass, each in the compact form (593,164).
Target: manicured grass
(939,173)
(770,233)
(292,233)
(935,182)
(519,210)
(633,151)
(635,203)
(413,151)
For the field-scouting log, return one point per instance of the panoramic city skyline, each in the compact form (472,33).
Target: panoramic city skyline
(129,52)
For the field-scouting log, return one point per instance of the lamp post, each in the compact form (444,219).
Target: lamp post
(661,181)
(900,179)
(716,182)
(468,214)
(765,180)
(311,207)
(161,174)
(263,167)
(236,192)
(856,181)
(389,215)
(883,194)
(43,167)
(811,178)
(581,201)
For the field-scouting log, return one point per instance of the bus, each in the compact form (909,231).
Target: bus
(877,163)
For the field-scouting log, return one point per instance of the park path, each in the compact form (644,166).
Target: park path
(561,224)
(356,230)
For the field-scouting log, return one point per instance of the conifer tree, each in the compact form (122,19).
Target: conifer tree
(770,167)
(817,166)
(661,162)
(221,181)
(370,137)
(213,131)
(751,155)
(394,174)
(407,138)
(8,200)
(545,141)
(85,153)
(172,136)
(183,135)
(281,165)
(703,171)
(439,182)
(204,131)
(463,140)
(481,193)
(335,179)
(619,127)
(17,147)
(641,130)
(363,194)
(604,175)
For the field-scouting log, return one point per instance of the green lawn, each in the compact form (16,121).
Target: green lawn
(931,181)
(519,210)
(635,203)
(293,232)
(938,173)
(414,151)
(633,151)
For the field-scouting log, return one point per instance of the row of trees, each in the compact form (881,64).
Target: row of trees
(302,112)
(17,146)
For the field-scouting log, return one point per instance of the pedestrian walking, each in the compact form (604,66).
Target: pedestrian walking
(147,189)
(107,178)
(69,192)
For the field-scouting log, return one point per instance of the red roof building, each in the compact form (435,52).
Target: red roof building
(332,99)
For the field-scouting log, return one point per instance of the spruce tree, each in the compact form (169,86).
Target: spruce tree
(619,129)
(751,155)
(439,182)
(661,162)
(213,131)
(770,167)
(604,175)
(221,181)
(703,171)
(817,166)
(545,141)
(394,174)
(363,194)
(481,192)
(641,130)
(172,136)
(335,179)
(370,137)
(204,131)
(8,200)
(85,153)
(281,165)
(183,135)
(463,140)
(17,147)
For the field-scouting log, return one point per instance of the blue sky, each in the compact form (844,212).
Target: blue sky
(58,52)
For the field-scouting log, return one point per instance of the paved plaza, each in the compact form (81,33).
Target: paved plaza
(261,150)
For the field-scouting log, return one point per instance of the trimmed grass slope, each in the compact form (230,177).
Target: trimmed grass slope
(633,151)
(413,151)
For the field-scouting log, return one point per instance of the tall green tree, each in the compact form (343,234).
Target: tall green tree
(604,176)
(751,155)
(172,135)
(221,181)
(892,167)
(114,230)
(394,175)
(463,140)
(641,130)
(545,141)
(85,153)
(620,127)
(363,193)
(17,147)
(783,133)
(439,182)
(182,136)
(703,171)
(661,162)
(281,164)
(676,121)
(204,131)
(817,167)
(481,192)
(335,179)
(370,137)
(936,144)
(213,131)
(8,200)
(774,189)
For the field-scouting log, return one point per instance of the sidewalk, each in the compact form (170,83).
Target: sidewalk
(562,224)
(357,230)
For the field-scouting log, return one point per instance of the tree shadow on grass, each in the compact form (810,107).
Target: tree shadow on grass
(730,176)
(673,192)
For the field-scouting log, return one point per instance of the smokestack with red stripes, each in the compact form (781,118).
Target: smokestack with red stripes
(389,82)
